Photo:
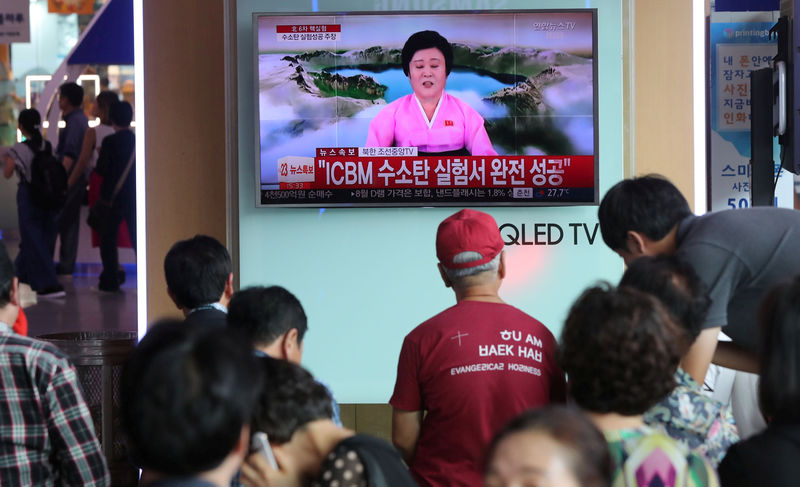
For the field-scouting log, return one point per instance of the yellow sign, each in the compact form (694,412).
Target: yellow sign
(70,6)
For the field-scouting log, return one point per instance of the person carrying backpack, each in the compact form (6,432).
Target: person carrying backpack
(42,188)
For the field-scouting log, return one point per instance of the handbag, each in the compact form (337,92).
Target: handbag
(100,213)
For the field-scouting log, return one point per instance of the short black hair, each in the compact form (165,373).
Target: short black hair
(619,350)
(197,271)
(589,457)
(290,398)
(6,275)
(779,384)
(265,313)
(426,39)
(649,204)
(186,394)
(676,284)
(73,92)
(121,113)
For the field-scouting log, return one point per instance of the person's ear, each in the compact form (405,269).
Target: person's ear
(635,243)
(14,292)
(290,345)
(228,292)
(501,268)
(172,297)
(242,447)
(447,282)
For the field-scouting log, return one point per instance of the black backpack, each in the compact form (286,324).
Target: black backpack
(48,179)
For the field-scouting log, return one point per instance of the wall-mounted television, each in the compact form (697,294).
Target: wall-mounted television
(341,123)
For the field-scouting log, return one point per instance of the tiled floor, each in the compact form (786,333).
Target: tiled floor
(83,310)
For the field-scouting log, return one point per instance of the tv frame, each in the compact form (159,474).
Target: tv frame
(595,109)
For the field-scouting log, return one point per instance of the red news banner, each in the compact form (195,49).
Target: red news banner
(344,168)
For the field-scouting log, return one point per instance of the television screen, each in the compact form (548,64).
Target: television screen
(473,108)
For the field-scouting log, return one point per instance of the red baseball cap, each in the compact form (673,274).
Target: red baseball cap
(468,231)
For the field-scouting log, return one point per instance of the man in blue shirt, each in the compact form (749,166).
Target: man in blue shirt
(70,141)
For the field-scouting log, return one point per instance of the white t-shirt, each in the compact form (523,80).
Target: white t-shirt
(23,157)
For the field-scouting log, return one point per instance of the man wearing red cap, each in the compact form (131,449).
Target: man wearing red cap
(472,367)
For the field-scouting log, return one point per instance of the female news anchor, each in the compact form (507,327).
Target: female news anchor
(429,118)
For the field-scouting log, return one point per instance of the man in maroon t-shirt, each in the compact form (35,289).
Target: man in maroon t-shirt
(468,370)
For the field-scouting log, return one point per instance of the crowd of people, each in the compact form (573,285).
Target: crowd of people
(484,393)
(104,155)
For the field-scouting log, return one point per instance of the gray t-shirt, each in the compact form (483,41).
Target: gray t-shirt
(740,255)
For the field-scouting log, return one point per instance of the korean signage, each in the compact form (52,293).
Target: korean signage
(338,175)
(15,25)
(740,44)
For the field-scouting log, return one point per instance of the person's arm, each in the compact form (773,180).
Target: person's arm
(77,453)
(701,352)
(89,141)
(256,472)
(8,166)
(67,162)
(103,159)
(732,356)
(406,426)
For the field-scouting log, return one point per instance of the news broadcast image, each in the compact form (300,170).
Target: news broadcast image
(323,79)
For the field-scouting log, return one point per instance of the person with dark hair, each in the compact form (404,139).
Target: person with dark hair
(465,372)
(555,445)
(620,351)
(274,321)
(47,435)
(199,279)
(90,152)
(294,411)
(118,188)
(738,254)
(93,139)
(37,225)
(770,458)
(186,401)
(687,414)
(429,118)
(272,318)
(68,150)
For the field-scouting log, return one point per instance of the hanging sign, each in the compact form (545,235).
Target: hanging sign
(15,25)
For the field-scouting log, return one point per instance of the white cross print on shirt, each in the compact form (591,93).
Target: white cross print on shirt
(459,335)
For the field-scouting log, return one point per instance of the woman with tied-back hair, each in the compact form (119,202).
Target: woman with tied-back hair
(772,458)
(37,226)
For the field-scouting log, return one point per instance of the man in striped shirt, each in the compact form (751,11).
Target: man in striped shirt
(46,433)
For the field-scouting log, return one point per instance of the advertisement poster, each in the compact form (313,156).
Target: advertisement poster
(740,44)
(340,124)
(15,21)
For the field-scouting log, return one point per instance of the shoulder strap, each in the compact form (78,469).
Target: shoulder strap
(124,174)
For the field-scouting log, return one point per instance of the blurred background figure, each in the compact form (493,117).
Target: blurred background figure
(770,458)
(553,446)
(37,223)
(116,165)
